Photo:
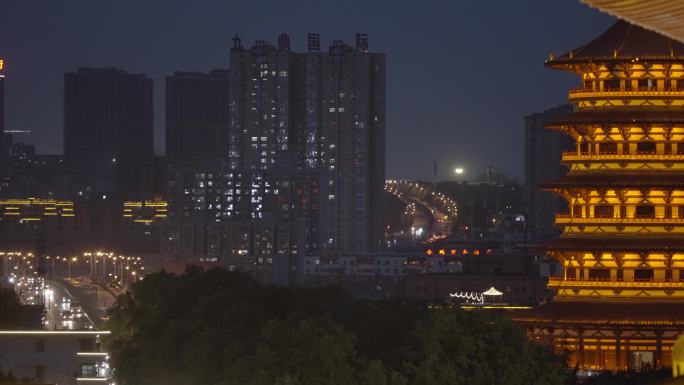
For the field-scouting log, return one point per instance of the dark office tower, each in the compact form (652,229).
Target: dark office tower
(108,134)
(196,118)
(543,150)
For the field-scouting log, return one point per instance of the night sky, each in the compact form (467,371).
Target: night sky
(461,74)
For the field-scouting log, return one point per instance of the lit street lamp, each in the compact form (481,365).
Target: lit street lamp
(73,259)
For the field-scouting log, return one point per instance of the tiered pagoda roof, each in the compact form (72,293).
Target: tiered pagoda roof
(623,41)
(617,179)
(622,241)
(618,243)
(608,314)
(619,117)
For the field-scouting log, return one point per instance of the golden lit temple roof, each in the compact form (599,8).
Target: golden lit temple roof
(616,179)
(608,313)
(623,41)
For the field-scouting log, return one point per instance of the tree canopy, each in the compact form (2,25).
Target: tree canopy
(10,309)
(224,328)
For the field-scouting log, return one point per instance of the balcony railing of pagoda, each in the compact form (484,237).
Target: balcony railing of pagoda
(574,156)
(559,282)
(581,93)
(569,219)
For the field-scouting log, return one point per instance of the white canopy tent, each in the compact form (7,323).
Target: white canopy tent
(492,292)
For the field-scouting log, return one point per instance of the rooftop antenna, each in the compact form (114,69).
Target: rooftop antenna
(237,42)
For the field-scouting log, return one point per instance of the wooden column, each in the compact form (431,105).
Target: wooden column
(618,349)
(668,203)
(625,140)
(578,145)
(587,199)
(591,132)
(580,345)
(668,267)
(659,349)
(622,197)
(619,259)
(668,140)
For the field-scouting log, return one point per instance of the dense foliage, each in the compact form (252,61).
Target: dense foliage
(9,379)
(10,309)
(651,377)
(223,328)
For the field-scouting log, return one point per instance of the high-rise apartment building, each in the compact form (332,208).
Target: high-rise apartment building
(304,163)
(196,118)
(4,149)
(325,108)
(543,150)
(108,133)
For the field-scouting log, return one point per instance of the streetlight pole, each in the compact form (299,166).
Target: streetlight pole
(72,259)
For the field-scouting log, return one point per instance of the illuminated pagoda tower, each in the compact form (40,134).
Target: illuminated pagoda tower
(620,301)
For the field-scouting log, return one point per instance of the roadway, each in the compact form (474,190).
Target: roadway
(429,216)
(440,225)
(94,302)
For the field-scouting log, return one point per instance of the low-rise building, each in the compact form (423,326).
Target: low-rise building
(61,357)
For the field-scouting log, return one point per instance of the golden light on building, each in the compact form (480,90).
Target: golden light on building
(33,209)
(620,301)
(145,212)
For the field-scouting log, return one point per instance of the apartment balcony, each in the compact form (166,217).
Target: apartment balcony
(560,283)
